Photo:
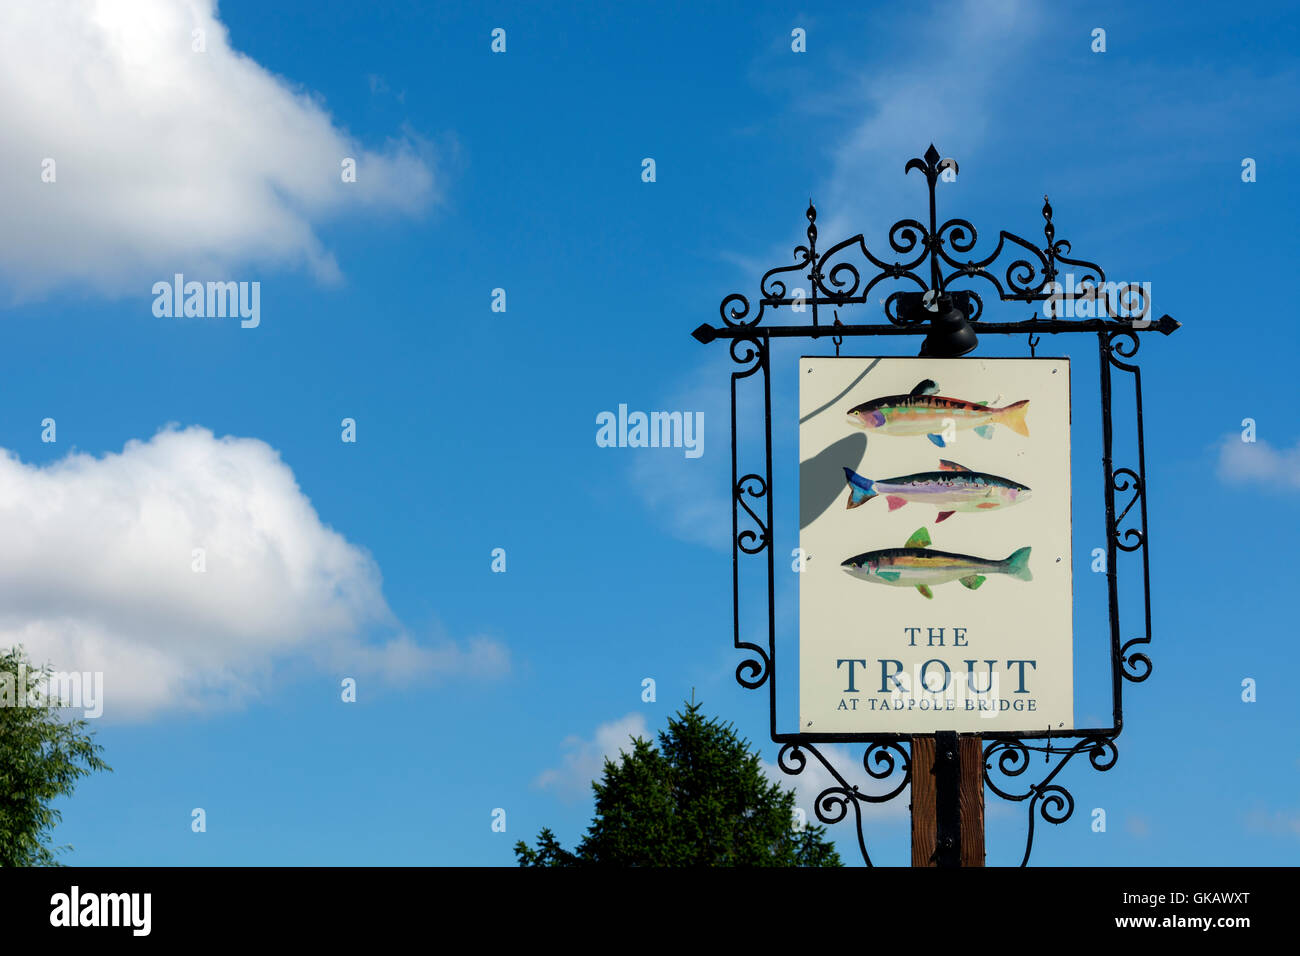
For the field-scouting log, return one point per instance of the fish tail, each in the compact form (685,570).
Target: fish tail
(1013,416)
(860,489)
(1018,564)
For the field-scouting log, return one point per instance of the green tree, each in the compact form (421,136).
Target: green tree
(41,759)
(699,799)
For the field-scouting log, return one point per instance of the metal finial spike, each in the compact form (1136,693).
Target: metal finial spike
(932,155)
(811,213)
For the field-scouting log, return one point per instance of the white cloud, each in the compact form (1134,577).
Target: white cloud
(167,159)
(894,113)
(97,574)
(937,90)
(1258,463)
(584,760)
(1278,822)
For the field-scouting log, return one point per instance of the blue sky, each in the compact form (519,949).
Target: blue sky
(476,429)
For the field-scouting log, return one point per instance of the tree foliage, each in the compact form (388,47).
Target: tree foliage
(699,799)
(41,759)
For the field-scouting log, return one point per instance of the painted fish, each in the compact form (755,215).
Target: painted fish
(915,566)
(953,488)
(922,412)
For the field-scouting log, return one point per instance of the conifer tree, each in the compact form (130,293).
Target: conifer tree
(698,799)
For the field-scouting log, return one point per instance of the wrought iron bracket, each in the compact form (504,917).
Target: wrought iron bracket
(1018,271)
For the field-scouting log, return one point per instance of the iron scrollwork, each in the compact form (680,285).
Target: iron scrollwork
(927,255)
(1048,799)
(1116,346)
(881,761)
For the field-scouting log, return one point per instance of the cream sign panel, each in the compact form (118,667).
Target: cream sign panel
(934,500)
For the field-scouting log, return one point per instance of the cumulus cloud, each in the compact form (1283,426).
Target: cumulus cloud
(912,104)
(100,571)
(1258,463)
(167,158)
(584,760)
(890,116)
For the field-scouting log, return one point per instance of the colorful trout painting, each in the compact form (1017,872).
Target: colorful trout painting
(951,489)
(916,566)
(922,412)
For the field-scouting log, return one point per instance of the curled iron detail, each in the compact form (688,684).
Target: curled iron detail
(833,803)
(734,317)
(1048,799)
(1130,539)
(959,234)
(1122,342)
(746,538)
(753,355)
(905,235)
(1135,666)
(885,756)
(774,288)
(752,672)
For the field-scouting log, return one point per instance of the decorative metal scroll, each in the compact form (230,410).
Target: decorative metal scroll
(930,257)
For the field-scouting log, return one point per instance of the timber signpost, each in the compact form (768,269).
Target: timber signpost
(935,578)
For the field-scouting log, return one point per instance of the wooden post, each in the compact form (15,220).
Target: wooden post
(923,802)
(972,801)
(947,800)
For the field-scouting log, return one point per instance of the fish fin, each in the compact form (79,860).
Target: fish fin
(1013,416)
(925,387)
(984,505)
(1018,565)
(945,465)
(860,489)
(972,581)
(984,431)
(944,515)
(895,502)
(920,539)
(937,439)
(925,590)
(889,575)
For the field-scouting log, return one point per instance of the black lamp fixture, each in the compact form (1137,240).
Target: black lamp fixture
(950,333)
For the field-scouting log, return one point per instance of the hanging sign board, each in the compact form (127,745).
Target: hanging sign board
(934,499)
